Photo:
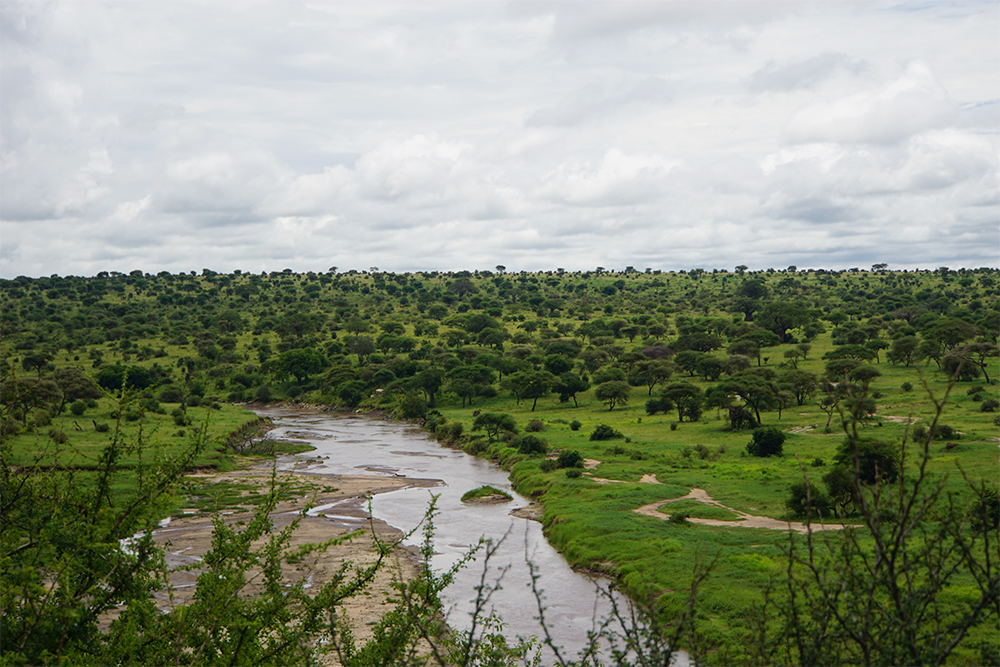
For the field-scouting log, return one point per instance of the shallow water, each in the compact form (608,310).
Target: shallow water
(354,444)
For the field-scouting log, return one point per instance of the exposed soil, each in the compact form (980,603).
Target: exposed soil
(334,513)
(744,521)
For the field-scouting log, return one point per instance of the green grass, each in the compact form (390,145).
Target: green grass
(698,510)
(485,492)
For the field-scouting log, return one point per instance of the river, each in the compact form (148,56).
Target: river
(355,444)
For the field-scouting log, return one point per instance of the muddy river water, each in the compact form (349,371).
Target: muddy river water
(352,444)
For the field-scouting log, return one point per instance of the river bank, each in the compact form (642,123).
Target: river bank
(338,507)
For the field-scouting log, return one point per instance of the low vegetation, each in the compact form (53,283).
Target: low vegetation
(486,493)
(795,395)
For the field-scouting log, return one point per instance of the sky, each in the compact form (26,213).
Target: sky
(462,135)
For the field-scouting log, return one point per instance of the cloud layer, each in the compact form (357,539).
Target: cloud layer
(262,136)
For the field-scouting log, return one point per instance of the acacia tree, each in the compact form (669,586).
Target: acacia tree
(530,384)
(686,397)
(569,385)
(780,316)
(615,392)
(494,424)
(75,385)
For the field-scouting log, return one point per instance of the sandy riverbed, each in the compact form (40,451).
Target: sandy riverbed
(337,512)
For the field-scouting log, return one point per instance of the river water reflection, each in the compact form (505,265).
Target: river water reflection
(353,444)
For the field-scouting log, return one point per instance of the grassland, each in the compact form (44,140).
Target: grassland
(378,338)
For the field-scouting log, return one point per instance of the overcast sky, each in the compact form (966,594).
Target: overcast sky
(162,135)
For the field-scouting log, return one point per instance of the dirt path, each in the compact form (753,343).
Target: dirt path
(744,521)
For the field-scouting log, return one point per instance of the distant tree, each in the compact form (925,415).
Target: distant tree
(687,398)
(903,350)
(35,361)
(300,363)
(363,346)
(615,392)
(687,360)
(977,355)
(651,373)
(22,395)
(801,383)
(709,367)
(757,387)
(557,364)
(749,297)
(807,500)
(430,381)
(872,460)
(114,378)
(351,393)
(569,385)
(75,385)
(530,384)
(494,424)
(780,316)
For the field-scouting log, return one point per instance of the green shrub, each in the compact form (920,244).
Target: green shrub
(679,519)
(766,441)
(102,427)
(570,460)
(575,425)
(906,386)
(605,432)
(77,408)
(485,492)
(573,473)
(807,500)
(945,432)
(150,405)
(171,394)
(877,459)
(58,437)
(534,426)
(529,444)
(548,465)
(989,405)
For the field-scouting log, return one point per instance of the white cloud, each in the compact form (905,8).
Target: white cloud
(913,103)
(442,135)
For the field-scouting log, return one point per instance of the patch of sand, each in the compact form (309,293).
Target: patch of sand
(335,512)
(744,521)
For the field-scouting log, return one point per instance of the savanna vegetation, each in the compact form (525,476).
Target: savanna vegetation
(864,398)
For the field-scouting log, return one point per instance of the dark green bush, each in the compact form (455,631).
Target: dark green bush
(605,432)
(806,500)
(529,444)
(534,426)
(548,465)
(77,408)
(570,460)
(766,441)
(575,425)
